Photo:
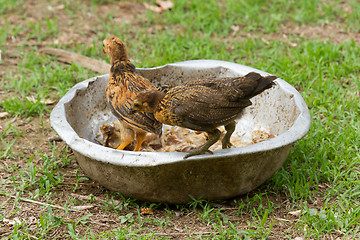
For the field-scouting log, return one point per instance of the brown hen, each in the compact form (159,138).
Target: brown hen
(203,105)
(123,85)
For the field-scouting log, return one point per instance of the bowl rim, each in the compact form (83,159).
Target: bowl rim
(144,159)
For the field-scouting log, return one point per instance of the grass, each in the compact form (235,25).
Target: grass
(6,151)
(320,178)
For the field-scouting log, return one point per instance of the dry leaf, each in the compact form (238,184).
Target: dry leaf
(235,28)
(59,7)
(11,222)
(162,6)
(79,208)
(153,8)
(43,101)
(48,101)
(283,219)
(146,211)
(296,213)
(31,99)
(4,114)
(165,5)
(178,229)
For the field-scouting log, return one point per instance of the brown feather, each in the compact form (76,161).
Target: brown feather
(123,85)
(205,104)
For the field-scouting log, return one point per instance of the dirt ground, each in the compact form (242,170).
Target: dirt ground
(37,136)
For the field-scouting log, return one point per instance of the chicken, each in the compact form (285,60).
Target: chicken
(204,105)
(123,85)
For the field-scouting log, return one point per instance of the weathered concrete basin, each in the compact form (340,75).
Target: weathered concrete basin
(166,176)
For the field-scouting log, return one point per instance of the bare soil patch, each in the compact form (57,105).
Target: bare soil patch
(334,33)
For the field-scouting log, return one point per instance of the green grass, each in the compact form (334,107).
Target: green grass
(8,6)
(320,177)
(5,150)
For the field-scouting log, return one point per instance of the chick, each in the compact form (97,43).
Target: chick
(204,105)
(123,85)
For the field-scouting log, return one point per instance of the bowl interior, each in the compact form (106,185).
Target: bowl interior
(274,111)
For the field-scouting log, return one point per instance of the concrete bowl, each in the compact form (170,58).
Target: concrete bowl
(166,176)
